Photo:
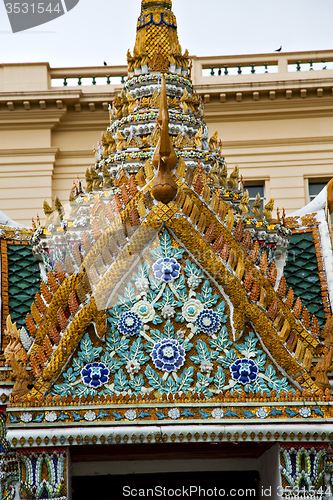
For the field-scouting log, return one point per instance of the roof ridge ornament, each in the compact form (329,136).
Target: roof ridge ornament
(165,159)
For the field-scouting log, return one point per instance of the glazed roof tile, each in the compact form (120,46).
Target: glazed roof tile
(302,273)
(23,281)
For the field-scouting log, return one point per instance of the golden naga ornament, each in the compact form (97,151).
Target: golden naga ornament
(155,100)
(48,211)
(267,212)
(15,356)
(108,143)
(256,207)
(155,136)
(213,175)
(131,103)
(218,176)
(244,204)
(130,61)
(89,180)
(165,159)
(213,142)
(120,141)
(118,107)
(198,137)
(105,145)
(183,101)
(234,178)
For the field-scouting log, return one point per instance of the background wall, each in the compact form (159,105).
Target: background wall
(273,112)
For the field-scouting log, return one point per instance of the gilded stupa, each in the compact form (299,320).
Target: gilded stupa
(133,133)
(157,45)
(163,313)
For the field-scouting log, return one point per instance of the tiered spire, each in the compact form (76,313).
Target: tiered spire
(157,46)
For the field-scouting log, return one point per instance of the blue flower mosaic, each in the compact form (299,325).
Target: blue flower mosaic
(208,321)
(244,371)
(130,323)
(95,374)
(168,355)
(178,311)
(166,269)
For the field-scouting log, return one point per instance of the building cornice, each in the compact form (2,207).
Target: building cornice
(151,434)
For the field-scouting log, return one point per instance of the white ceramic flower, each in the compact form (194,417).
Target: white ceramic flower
(217,413)
(206,366)
(193,282)
(181,334)
(145,310)
(133,366)
(51,416)
(191,309)
(90,416)
(26,417)
(174,413)
(130,415)
(262,413)
(305,412)
(142,284)
(168,312)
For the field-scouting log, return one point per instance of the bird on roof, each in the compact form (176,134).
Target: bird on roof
(105,64)
(279,50)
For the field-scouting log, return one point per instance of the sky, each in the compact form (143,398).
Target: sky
(102,30)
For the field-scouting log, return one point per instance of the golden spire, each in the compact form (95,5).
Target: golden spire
(157,44)
(165,159)
(155,4)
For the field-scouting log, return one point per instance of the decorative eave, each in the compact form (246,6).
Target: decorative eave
(16,234)
(112,435)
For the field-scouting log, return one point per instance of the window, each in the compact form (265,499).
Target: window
(315,188)
(253,190)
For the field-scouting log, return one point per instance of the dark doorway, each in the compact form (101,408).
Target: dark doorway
(194,485)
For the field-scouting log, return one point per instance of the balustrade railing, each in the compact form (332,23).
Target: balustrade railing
(84,82)
(80,77)
(239,69)
(263,64)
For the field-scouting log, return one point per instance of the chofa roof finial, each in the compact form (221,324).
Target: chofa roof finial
(164,158)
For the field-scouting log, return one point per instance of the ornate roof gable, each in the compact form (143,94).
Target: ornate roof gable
(164,299)
(169,303)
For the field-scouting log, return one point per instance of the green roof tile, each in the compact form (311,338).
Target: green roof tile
(301,273)
(23,281)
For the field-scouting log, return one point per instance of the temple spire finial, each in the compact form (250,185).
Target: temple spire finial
(164,158)
(157,38)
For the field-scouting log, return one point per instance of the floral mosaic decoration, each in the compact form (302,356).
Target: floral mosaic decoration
(41,485)
(168,333)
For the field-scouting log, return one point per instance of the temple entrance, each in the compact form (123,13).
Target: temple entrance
(191,470)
